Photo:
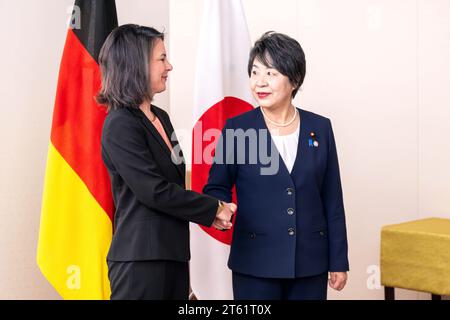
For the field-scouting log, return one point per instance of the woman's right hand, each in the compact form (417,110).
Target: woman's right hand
(224,215)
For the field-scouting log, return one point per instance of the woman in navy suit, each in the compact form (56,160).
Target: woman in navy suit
(289,236)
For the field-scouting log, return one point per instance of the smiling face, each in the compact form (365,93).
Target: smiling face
(270,88)
(159,67)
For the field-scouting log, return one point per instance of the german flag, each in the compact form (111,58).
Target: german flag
(77,207)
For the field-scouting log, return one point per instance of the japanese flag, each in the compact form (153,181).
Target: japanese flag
(221,92)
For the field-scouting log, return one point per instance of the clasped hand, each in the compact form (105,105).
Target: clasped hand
(223,217)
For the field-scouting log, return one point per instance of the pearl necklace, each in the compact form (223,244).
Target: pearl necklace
(280,124)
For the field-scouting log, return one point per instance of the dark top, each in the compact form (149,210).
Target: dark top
(153,208)
(287,224)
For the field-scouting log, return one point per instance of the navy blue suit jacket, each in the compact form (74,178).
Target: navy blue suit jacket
(288,224)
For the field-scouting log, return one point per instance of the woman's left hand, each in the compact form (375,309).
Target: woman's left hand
(338,280)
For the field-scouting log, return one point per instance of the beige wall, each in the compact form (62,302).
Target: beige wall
(377,68)
(33,35)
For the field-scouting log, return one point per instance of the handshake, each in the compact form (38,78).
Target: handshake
(224,214)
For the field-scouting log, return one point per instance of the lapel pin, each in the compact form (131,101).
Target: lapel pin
(313,140)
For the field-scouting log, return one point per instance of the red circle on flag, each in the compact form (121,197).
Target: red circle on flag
(214,118)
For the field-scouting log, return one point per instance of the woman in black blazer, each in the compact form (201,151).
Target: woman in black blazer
(149,253)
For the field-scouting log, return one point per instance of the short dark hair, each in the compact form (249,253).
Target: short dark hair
(279,51)
(124,64)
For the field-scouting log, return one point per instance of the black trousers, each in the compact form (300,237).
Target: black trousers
(149,280)
(246,287)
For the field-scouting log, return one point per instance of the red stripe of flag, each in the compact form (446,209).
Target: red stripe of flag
(77,120)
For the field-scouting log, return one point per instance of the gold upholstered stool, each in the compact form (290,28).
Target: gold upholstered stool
(416,255)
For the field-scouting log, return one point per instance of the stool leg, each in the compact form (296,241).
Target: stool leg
(436,297)
(389,293)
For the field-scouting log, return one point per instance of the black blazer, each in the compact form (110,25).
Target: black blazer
(153,209)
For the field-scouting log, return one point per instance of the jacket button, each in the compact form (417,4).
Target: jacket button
(291,231)
(322,233)
(252,235)
(290,191)
(290,211)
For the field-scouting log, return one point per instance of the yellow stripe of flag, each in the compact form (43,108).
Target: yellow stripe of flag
(75,234)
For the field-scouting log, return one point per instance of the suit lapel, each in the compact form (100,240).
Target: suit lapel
(169,130)
(177,153)
(302,141)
